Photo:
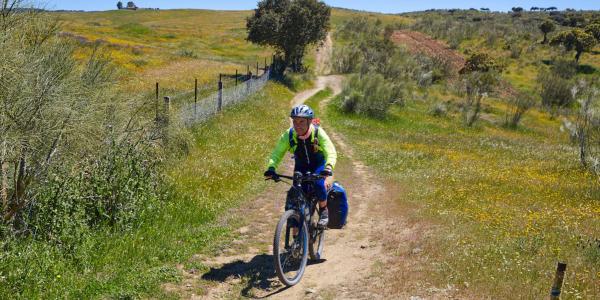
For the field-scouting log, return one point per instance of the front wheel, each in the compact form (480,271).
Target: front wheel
(317,239)
(290,253)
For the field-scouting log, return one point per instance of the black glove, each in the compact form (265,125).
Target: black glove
(327,172)
(270,173)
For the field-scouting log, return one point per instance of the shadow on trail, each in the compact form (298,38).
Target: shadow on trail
(257,273)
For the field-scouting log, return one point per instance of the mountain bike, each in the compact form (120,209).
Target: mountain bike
(297,235)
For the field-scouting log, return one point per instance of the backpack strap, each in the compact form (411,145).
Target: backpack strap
(316,138)
(291,138)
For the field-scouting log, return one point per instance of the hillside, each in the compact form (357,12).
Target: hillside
(438,209)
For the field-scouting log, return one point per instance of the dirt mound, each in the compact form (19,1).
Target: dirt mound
(419,43)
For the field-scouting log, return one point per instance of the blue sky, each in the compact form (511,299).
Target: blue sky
(369,5)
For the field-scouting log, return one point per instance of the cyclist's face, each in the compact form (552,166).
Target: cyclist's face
(301,125)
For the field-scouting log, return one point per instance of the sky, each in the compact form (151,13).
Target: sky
(394,6)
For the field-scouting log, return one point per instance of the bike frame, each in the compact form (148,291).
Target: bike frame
(307,200)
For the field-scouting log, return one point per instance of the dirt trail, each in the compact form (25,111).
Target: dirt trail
(354,257)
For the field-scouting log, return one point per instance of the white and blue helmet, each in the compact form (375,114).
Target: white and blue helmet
(302,111)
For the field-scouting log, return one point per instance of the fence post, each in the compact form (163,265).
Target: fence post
(558,281)
(248,82)
(220,97)
(236,76)
(257,69)
(167,108)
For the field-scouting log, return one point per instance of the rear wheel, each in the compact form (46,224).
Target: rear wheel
(290,253)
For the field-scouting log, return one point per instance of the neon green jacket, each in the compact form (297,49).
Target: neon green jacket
(283,145)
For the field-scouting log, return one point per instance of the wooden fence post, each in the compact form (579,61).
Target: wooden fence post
(558,281)
(257,69)
(248,82)
(248,72)
(220,97)
(195,90)
(236,76)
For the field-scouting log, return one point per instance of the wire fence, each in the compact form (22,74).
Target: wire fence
(204,108)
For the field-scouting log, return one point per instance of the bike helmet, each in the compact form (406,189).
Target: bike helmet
(302,111)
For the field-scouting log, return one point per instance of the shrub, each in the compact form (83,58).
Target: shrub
(476,86)
(555,92)
(588,127)
(564,68)
(439,109)
(72,155)
(347,59)
(187,53)
(368,95)
(517,106)
(480,62)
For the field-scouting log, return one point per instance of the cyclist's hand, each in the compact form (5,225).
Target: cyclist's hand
(270,173)
(327,172)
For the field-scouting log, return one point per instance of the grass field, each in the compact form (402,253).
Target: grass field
(509,204)
(169,46)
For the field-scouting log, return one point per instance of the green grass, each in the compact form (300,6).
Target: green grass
(224,168)
(508,204)
(158,38)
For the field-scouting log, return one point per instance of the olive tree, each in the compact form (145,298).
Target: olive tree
(289,26)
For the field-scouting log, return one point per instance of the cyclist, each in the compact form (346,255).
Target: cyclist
(313,152)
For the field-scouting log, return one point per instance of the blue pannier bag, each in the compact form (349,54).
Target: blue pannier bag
(337,204)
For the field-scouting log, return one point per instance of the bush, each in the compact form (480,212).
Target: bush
(113,190)
(476,86)
(517,106)
(72,155)
(187,53)
(555,92)
(588,127)
(347,59)
(439,109)
(564,68)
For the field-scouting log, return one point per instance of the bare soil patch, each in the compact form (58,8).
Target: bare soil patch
(419,43)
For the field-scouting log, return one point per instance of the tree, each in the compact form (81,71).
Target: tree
(120,5)
(533,8)
(546,27)
(289,26)
(575,39)
(593,30)
(517,9)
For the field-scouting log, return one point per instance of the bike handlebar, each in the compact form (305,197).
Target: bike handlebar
(297,176)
